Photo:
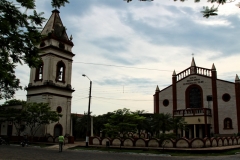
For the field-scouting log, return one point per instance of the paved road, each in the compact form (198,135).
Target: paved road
(36,153)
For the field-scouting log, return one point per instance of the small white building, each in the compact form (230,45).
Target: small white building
(209,105)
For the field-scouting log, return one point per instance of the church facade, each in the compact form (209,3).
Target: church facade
(51,81)
(210,106)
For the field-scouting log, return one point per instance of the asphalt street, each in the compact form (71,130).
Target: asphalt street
(36,153)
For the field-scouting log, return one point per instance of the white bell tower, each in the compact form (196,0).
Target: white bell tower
(51,81)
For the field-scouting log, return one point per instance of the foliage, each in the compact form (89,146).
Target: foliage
(122,121)
(212,11)
(13,102)
(178,123)
(143,124)
(38,114)
(79,125)
(19,37)
(98,123)
(164,136)
(162,122)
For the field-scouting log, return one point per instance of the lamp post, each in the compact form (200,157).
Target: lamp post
(88,115)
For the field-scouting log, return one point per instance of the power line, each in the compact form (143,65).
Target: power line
(123,66)
(121,99)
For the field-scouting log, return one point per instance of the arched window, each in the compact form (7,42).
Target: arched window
(60,74)
(39,73)
(227,123)
(194,97)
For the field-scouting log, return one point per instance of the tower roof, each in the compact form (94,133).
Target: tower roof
(55,26)
(157,89)
(193,64)
(213,67)
(174,73)
(237,78)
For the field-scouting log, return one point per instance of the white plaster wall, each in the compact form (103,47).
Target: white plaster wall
(166,94)
(4,127)
(204,82)
(54,102)
(226,109)
(52,90)
(61,53)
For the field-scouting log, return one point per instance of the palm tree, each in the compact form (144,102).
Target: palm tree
(162,122)
(179,123)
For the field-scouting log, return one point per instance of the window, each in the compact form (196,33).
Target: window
(59,109)
(194,97)
(227,123)
(61,45)
(226,97)
(42,44)
(39,73)
(165,102)
(60,75)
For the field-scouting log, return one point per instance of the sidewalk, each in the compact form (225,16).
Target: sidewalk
(67,145)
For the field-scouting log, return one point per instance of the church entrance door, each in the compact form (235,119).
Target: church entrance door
(57,130)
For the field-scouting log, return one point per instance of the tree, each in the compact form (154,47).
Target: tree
(141,125)
(179,123)
(19,37)
(99,121)
(80,125)
(123,122)
(162,122)
(207,12)
(38,114)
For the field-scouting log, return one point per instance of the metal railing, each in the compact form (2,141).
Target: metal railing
(193,112)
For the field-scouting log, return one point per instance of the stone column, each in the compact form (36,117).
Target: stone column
(215,100)
(184,134)
(194,131)
(237,92)
(174,90)
(156,101)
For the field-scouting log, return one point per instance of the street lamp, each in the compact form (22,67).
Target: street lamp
(88,115)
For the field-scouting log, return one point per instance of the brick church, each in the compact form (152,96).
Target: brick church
(210,106)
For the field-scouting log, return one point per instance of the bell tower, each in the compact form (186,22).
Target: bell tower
(51,81)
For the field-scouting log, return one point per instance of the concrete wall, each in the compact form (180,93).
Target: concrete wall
(166,94)
(227,109)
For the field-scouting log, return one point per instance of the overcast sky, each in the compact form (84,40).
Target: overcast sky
(127,49)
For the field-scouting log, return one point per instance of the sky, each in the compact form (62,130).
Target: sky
(127,49)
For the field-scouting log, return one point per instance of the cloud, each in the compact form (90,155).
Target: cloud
(150,39)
